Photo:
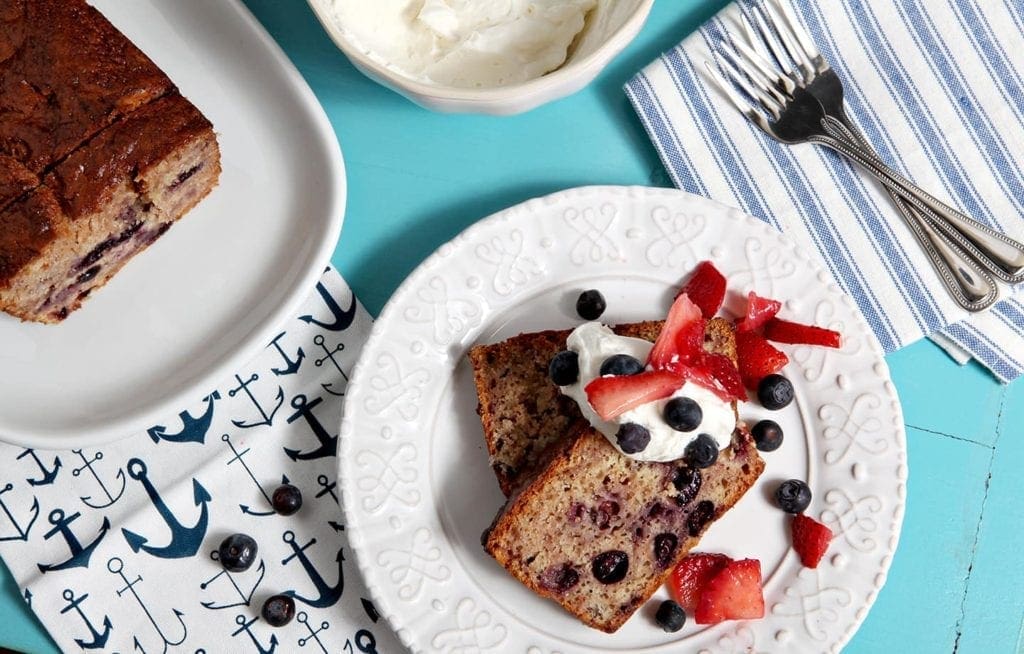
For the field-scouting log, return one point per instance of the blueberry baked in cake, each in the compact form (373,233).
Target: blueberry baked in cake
(99,155)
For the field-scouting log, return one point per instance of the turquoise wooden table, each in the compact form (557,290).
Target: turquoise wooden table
(417,178)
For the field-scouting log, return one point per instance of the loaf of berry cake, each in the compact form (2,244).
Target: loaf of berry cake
(594,530)
(99,155)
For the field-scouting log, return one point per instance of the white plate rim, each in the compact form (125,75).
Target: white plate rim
(260,334)
(347,484)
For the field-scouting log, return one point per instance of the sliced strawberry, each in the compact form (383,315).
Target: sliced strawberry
(682,337)
(613,396)
(692,575)
(706,288)
(724,371)
(733,594)
(701,377)
(759,311)
(757,358)
(810,539)
(784,331)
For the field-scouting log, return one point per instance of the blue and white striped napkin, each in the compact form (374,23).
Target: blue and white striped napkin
(113,546)
(938,88)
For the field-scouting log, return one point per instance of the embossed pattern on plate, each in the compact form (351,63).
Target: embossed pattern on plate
(417,488)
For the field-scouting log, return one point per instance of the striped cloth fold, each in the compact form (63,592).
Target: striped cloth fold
(938,88)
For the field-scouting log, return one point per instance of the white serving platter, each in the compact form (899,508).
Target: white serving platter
(212,292)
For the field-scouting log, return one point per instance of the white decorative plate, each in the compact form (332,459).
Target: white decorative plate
(418,490)
(209,294)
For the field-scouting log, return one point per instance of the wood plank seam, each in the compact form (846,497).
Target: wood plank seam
(981,521)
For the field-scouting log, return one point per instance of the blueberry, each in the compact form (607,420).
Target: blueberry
(775,392)
(590,304)
(665,547)
(768,435)
(687,481)
(793,496)
(287,499)
(632,438)
(564,368)
(683,414)
(621,364)
(237,552)
(670,616)
(278,610)
(702,452)
(610,567)
(702,514)
(560,577)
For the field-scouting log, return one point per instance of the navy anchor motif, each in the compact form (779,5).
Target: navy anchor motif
(246,626)
(99,640)
(87,465)
(244,598)
(193,430)
(49,476)
(328,487)
(268,418)
(326,595)
(80,554)
(116,566)
(314,635)
(340,319)
(185,541)
(328,443)
(239,456)
(23,531)
(329,356)
(291,365)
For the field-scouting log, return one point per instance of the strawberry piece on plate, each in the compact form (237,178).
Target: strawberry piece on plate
(733,594)
(759,311)
(614,395)
(810,540)
(757,358)
(724,372)
(692,575)
(706,288)
(784,331)
(682,337)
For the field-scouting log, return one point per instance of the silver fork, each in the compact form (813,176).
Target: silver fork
(970,286)
(796,99)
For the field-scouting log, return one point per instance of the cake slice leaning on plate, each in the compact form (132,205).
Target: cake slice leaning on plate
(590,528)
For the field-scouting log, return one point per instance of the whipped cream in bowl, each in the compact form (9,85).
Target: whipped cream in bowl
(593,344)
(485,56)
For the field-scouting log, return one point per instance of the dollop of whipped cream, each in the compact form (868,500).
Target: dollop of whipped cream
(465,43)
(593,343)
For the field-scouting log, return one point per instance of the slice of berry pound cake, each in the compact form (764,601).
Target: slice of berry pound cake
(590,528)
(99,155)
(523,413)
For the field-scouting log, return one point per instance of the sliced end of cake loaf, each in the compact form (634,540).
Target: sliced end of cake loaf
(103,204)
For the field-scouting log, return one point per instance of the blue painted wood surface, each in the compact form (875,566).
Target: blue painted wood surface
(417,178)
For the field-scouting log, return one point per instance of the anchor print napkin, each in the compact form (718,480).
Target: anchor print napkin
(113,547)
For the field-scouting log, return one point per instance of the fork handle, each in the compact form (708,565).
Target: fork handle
(969,285)
(998,252)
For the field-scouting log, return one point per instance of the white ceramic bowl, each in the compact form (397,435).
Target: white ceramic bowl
(610,28)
